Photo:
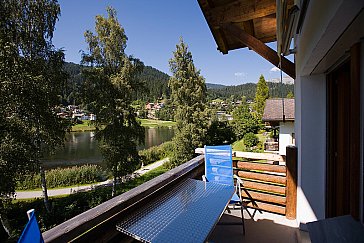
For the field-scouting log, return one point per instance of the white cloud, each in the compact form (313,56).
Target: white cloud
(274,69)
(240,74)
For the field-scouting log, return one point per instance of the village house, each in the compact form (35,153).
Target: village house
(279,115)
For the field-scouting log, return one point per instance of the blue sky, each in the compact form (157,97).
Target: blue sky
(153,29)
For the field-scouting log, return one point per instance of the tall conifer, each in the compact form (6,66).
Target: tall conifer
(188,93)
(261,95)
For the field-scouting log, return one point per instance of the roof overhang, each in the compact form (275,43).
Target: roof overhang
(238,24)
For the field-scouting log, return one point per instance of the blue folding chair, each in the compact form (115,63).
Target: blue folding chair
(219,169)
(31,232)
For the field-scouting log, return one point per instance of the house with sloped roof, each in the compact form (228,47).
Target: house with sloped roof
(279,113)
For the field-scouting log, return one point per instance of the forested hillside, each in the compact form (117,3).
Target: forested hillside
(72,91)
(248,90)
(156,86)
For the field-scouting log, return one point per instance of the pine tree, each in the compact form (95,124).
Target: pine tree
(110,82)
(188,94)
(261,96)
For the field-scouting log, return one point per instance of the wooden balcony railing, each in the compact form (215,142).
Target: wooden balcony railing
(269,184)
(270,180)
(99,223)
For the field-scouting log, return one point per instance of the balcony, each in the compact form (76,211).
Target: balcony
(270,189)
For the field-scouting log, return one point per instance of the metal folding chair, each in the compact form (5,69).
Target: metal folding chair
(219,169)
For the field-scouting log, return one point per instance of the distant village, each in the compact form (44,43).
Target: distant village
(75,113)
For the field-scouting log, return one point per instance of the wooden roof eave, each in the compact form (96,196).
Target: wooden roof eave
(232,26)
(262,49)
(215,31)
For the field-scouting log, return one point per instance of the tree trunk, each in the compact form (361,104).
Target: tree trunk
(113,192)
(5,224)
(44,189)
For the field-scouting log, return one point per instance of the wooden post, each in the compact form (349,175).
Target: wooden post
(291,186)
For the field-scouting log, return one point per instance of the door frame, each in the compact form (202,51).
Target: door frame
(353,137)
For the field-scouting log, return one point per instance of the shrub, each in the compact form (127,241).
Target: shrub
(61,177)
(155,153)
(250,140)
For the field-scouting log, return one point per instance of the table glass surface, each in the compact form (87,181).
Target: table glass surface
(187,213)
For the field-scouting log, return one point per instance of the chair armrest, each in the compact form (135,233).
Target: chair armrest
(238,179)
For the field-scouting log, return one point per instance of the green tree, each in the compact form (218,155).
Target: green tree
(290,95)
(31,77)
(250,140)
(220,132)
(244,121)
(261,95)
(110,82)
(188,93)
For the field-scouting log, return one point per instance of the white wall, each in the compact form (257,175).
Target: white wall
(321,37)
(311,142)
(285,136)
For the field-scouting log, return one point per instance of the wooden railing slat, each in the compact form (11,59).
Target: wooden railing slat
(258,196)
(267,207)
(263,177)
(261,167)
(250,155)
(264,187)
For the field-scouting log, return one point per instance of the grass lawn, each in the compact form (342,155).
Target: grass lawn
(156,123)
(85,126)
(240,146)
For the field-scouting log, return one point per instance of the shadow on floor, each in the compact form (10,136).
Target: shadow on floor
(262,230)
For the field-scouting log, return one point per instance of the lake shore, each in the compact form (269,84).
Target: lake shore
(26,194)
(86,126)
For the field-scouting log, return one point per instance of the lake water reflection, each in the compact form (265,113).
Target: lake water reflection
(82,148)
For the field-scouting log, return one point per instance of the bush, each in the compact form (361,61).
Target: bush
(156,153)
(62,177)
(219,132)
(250,140)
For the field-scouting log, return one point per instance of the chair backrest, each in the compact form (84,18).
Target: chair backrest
(219,164)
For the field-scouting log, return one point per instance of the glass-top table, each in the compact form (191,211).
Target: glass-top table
(187,213)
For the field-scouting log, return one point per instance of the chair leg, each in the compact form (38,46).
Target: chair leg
(242,218)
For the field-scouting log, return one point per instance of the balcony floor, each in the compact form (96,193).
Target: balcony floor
(264,227)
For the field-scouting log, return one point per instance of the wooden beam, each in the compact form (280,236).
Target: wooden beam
(249,27)
(240,11)
(259,47)
(291,189)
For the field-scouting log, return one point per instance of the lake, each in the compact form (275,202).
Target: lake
(82,148)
